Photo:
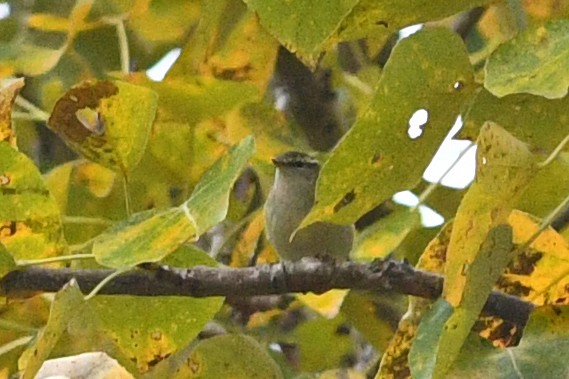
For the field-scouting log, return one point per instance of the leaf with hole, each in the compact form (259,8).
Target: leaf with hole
(429,70)
(106,122)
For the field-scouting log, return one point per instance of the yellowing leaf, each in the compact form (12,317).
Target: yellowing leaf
(30,224)
(145,237)
(228,43)
(150,236)
(504,167)
(428,71)
(149,337)
(107,122)
(8,92)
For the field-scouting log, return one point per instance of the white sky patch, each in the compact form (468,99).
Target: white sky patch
(407,198)
(417,122)
(430,218)
(406,32)
(159,70)
(463,172)
(4,10)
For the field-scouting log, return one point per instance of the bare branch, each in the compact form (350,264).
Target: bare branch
(307,275)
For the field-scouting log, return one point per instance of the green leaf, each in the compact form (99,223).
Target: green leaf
(383,237)
(35,60)
(387,309)
(107,122)
(150,236)
(29,215)
(302,26)
(233,356)
(541,197)
(322,344)
(426,350)
(532,62)
(146,337)
(210,200)
(532,119)
(430,71)
(380,19)
(542,353)
(67,302)
(7,262)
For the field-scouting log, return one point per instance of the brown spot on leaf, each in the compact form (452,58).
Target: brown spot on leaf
(88,94)
(4,180)
(524,263)
(376,159)
(513,287)
(347,199)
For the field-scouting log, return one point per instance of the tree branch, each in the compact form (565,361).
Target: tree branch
(307,275)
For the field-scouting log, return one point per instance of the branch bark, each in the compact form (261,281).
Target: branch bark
(307,275)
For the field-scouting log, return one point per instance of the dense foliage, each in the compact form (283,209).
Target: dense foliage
(102,167)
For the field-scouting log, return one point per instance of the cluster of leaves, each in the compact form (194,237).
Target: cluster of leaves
(158,164)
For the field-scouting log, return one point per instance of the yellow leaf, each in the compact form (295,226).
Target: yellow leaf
(48,23)
(504,167)
(539,274)
(8,92)
(327,304)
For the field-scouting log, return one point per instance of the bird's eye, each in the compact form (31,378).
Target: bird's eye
(298,164)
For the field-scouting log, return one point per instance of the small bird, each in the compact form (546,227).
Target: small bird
(289,201)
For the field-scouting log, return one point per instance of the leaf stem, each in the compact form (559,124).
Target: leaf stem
(33,110)
(545,223)
(14,344)
(16,326)
(123,45)
(26,116)
(103,282)
(87,220)
(126,195)
(62,258)
(555,152)
(427,192)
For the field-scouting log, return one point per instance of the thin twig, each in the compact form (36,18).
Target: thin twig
(61,258)
(555,152)
(32,109)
